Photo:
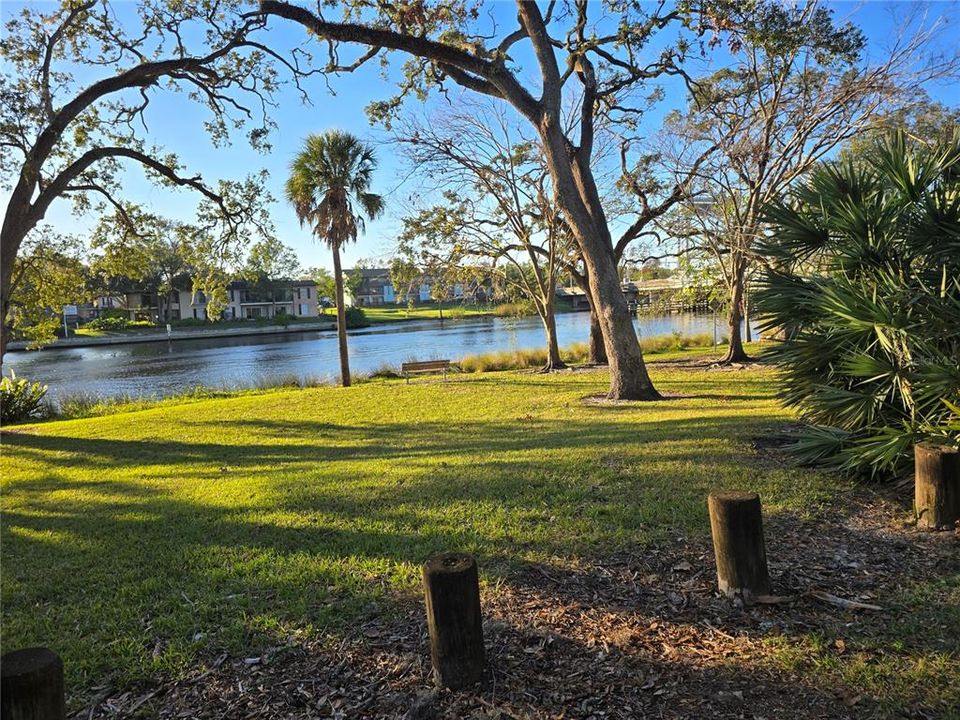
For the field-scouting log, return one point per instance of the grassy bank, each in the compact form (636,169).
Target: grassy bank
(427,311)
(140,544)
(140,328)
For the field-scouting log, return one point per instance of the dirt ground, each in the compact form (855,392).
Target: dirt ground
(640,634)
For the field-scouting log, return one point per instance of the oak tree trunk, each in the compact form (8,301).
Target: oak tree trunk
(735,351)
(10,241)
(747,334)
(577,195)
(341,319)
(598,353)
(554,362)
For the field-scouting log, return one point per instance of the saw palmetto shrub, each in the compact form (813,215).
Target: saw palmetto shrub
(863,284)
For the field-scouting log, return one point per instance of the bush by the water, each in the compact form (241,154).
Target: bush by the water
(20,399)
(109,323)
(356,318)
(676,341)
(866,285)
(524,308)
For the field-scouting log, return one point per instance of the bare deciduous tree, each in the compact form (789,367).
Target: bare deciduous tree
(799,87)
(575,54)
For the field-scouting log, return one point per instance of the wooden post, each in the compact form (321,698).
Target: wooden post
(737,527)
(31,685)
(936,486)
(452,589)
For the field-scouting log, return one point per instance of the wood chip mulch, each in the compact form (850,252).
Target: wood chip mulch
(633,635)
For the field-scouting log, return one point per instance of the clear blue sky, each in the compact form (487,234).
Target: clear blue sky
(174,123)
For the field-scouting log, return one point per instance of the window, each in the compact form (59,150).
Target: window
(308,293)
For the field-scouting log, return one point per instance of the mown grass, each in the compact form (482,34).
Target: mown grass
(427,311)
(135,543)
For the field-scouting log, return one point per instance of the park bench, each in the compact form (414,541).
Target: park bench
(430,366)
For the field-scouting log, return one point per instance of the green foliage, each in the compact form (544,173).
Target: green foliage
(326,287)
(109,323)
(20,399)
(523,308)
(47,274)
(356,318)
(865,281)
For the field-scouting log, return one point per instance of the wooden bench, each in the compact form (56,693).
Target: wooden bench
(430,366)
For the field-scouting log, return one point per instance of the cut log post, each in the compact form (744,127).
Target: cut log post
(31,685)
(936,486)
(452,588)
(737,527)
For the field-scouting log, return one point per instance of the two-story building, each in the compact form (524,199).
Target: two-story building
(376,288)
(294,298)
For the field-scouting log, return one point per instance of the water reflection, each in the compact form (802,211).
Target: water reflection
(162,368)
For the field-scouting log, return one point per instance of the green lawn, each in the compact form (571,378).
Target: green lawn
(136,543)
(426,311)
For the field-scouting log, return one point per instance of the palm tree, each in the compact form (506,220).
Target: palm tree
(329,187)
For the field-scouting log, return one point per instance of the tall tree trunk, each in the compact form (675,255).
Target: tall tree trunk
(341,319)
(577,194)
(10,241)
(598,353)
(629,379)
(747,333)
(735,351)
(549,317)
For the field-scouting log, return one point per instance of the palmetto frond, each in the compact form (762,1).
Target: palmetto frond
(865,276)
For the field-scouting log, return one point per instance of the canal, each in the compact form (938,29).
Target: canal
(164,368)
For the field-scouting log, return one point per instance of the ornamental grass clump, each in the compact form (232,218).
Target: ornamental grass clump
(864,286)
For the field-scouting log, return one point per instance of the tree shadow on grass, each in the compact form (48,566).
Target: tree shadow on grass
(122,552)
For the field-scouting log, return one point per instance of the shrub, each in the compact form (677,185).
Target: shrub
(109,322)
(675,341)
(19,398)
(515,309)
(189,322)
(356,318)
(865,280)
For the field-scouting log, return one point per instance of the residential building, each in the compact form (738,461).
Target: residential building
(296,298)
(375,288)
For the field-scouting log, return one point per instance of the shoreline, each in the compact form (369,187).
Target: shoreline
(82,341)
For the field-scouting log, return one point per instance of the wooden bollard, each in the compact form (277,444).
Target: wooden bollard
(737,527)
(31,685)
(452,588)
(936,486)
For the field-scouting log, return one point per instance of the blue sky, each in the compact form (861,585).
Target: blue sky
(174,123)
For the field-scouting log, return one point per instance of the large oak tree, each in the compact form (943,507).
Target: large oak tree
(579,52)
(76,84)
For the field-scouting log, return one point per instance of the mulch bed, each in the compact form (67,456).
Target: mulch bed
(632,635)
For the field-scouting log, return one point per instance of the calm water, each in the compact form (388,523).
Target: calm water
(163,368)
